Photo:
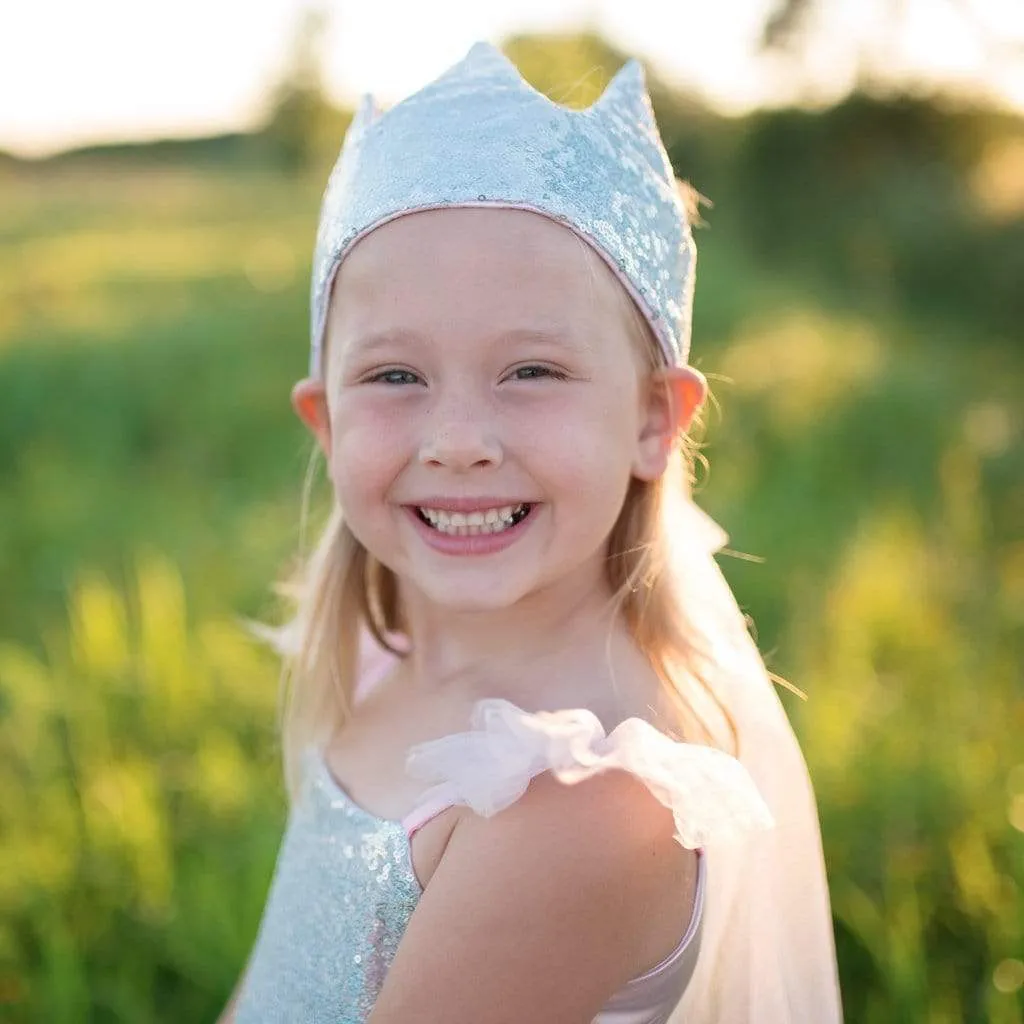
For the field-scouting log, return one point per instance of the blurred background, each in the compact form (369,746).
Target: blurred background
(859,312)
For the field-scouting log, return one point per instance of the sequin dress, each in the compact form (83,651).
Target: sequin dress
(344,888)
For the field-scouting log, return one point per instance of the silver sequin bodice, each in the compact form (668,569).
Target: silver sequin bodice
(342,894)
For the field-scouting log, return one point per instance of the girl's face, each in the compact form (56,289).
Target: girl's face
(485,407)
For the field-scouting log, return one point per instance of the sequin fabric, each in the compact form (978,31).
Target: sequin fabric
(342,894)
(480,135)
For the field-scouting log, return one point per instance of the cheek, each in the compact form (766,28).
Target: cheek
(586,454)
(368,449)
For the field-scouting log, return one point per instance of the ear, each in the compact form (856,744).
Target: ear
(309,400)
(671,399)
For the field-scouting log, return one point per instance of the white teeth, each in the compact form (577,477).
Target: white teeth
(469,524)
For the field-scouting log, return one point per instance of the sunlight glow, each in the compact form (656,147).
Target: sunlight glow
(115,69)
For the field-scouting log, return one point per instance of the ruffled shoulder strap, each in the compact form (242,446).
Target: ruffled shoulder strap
(711,795)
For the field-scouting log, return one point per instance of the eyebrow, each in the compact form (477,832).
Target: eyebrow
(375,340)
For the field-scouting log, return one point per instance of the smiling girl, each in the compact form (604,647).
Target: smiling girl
(538,773)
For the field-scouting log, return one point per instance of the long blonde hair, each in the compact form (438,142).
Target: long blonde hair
(341,591)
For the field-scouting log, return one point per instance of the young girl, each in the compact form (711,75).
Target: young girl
(538,772)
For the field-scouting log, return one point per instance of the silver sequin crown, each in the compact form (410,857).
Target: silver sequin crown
(481,135)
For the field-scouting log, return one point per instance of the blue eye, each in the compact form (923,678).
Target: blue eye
(394,377)
(536,372)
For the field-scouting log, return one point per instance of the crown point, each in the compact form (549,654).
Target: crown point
(365,114)
(627,92)
(483,63)
(633,71)
(487,55)
(481,47)
(368,109)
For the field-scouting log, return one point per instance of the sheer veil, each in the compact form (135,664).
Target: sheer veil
(768,951)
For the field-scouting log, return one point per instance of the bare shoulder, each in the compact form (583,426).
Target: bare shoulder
(545,910)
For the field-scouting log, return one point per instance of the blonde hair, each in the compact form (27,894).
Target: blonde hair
(342,590)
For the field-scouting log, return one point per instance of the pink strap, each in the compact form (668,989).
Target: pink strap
(432,806)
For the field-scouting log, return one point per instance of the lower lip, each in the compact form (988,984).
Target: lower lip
(480,544)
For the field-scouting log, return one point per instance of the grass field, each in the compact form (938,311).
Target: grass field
(151,325)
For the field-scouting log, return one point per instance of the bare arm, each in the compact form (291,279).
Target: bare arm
(544,911)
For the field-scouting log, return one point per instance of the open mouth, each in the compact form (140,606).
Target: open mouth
(478,523)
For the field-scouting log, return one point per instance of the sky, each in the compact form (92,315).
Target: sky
(80,71)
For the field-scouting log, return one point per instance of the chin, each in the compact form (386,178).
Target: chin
(464,596)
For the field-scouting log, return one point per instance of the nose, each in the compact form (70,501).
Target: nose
(461,444)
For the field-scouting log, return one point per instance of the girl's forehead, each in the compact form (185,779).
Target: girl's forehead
(504,256)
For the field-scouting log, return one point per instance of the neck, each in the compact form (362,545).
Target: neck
(563,643)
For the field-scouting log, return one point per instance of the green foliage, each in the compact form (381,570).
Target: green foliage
(140,801)
(146,365)
(880,489)
(868,443)
(905,202)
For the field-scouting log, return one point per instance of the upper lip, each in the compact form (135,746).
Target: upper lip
(469,504)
